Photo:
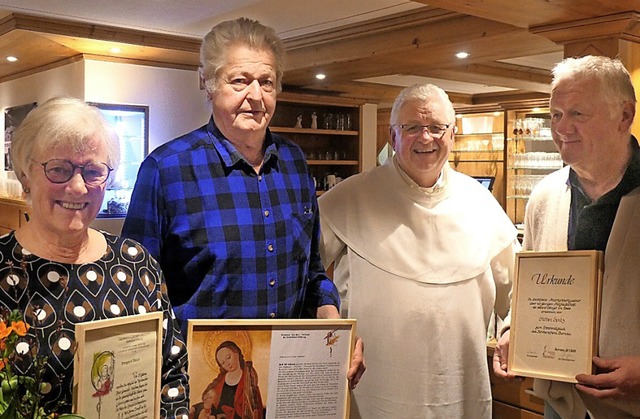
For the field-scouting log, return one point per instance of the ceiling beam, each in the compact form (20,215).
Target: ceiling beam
(532,13)
(373,92)
(513,77)
(426,32)
(420,60)
(621,26)
(100,32)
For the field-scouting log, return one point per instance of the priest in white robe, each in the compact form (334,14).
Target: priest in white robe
(422,257)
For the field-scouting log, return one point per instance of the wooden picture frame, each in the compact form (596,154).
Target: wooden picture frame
(117,367)
(300,366)
(555,314)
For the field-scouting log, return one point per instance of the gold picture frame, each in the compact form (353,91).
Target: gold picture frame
(117,367)
(298,368)
(555,314)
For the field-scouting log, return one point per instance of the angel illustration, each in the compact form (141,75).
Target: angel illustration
(102,374)
(331,338)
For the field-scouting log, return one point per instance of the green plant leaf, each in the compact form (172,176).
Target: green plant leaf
(9,412)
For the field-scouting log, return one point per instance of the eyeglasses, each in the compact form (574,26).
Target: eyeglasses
(61,171)
(435,131)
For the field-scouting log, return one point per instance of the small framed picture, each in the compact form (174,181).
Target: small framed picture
(283,368)
(118,367)
(13,117)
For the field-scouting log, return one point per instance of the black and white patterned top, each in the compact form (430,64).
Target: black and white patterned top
(55,296)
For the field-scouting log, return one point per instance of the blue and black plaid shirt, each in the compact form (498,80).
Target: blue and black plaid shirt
(231,243)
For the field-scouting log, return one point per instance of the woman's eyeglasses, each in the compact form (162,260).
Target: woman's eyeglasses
(61,171)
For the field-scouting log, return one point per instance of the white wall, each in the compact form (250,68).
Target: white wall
(176,103)
(67,80)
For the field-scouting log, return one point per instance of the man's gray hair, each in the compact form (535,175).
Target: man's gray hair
(241,31)
(424,93)
(613,78)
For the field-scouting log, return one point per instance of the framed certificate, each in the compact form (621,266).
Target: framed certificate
(118,367)
(555,314)
(285,368)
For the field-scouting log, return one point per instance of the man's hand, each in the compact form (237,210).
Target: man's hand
(501,358)
(616,378)
(357,367)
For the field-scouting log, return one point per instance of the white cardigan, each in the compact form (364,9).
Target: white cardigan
(546,226)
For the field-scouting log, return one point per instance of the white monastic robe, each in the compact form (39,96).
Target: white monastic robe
(421,271)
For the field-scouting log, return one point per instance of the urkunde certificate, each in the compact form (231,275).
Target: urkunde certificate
(555,314)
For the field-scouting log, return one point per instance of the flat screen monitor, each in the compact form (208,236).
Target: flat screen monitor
(486,181)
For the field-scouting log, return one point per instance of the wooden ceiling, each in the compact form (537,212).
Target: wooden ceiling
(420,43)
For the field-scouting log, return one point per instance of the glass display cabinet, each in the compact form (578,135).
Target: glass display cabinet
(478,150)
(531,155)
(131,123)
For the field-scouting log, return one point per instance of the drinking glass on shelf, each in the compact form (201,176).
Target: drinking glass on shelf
(327,121)
(348,122)
(527,127)
(517,128)
(537,126)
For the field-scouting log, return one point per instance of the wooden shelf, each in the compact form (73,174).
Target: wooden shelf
(319,142)
(530,139)
(547,168)
(285,130)
(481,134)
(475,160)
(332,162)
(494,150)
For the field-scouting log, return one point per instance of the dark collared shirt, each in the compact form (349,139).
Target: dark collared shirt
(590,222)
(231,243)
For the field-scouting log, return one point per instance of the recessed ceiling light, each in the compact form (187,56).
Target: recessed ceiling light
(536,109)
(12,59)
(462,54)
(321,76)
(115,50)
(459,116)
(496,113)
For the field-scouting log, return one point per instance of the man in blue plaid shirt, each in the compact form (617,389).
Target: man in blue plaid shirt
(229,210)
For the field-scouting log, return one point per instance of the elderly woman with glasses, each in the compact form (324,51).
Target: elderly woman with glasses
(60,272)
